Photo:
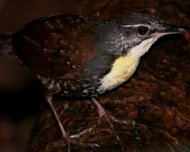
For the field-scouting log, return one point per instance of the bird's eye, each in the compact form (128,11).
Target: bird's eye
(142,30)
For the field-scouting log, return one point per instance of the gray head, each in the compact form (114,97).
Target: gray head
(135,32)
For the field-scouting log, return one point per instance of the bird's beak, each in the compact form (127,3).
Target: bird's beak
(170,29)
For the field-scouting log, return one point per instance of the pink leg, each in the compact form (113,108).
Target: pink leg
(69,139)
(48,97)
(102,113)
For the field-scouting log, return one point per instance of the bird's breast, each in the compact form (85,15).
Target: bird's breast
(122,69)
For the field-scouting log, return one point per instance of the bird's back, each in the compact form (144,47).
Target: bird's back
(62,51)
(57,45)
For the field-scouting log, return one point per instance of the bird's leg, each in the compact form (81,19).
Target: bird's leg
(102,113)
(69,139)
(48,97)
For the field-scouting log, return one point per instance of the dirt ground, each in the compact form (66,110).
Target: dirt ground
(155,102)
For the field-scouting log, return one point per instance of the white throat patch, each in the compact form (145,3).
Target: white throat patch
(143,47)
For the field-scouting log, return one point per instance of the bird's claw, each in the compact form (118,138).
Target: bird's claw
(71,142)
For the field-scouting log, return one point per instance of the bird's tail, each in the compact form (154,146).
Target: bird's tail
(6,49)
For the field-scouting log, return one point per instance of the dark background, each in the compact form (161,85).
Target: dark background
(21,94)
(14,14)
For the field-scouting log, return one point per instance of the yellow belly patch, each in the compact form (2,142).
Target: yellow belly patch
(122,69)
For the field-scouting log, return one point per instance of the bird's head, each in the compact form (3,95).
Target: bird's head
(134,33)
(127,39)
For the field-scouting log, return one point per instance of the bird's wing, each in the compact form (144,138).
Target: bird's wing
(57,46)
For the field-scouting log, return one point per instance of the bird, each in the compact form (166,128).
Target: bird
(84,57)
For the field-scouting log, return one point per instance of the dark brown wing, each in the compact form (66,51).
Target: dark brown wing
(57,46)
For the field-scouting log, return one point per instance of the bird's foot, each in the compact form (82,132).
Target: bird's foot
(102,114)
(88,130)
(71,141)
(119,121)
